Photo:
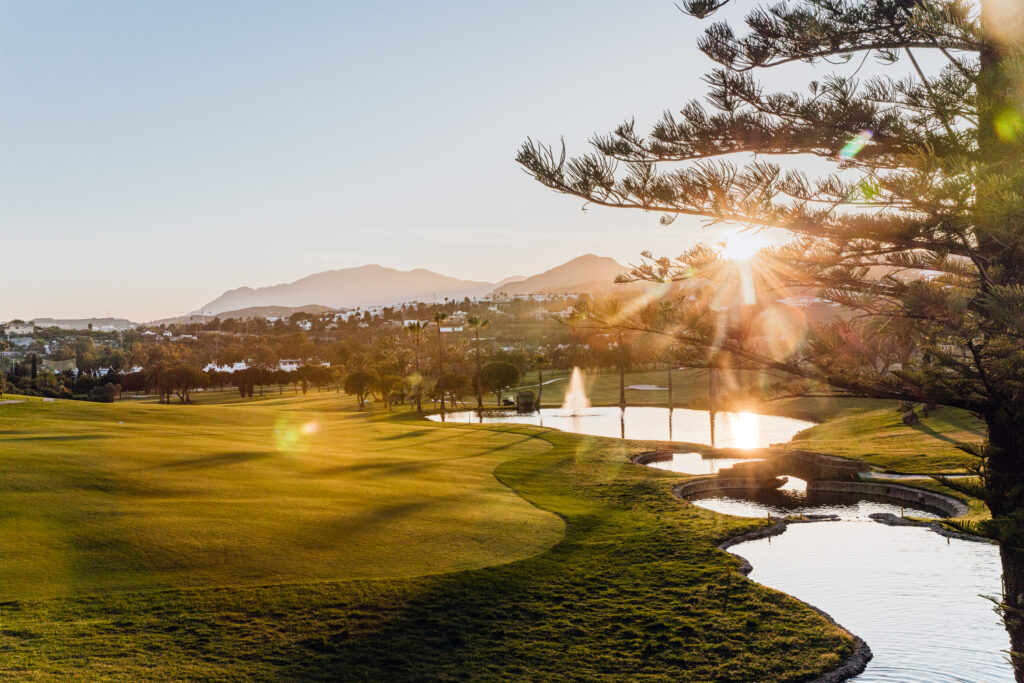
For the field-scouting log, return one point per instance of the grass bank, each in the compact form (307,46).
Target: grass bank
(873,431)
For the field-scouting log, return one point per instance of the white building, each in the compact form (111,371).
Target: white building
(20,329)
(234,367)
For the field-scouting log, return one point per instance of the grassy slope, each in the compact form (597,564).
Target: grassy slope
(874,431)
(635,589)
(125,497)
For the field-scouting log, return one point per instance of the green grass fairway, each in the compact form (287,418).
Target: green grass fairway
(635,590)
(874,431)
(97,498)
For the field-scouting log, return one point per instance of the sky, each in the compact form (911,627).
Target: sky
(153,155)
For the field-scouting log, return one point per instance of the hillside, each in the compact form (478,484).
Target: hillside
(376,285)
(371,285)
(84,323)
(243,313)
(584,274)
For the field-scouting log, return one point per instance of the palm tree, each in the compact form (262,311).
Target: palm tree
(416,330)
(440,317)
(538,361)
(476,323)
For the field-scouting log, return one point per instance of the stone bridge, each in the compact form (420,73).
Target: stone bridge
(805,465)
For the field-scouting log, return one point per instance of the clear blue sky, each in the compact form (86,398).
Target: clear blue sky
(154,154)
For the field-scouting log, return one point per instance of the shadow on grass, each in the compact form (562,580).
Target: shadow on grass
(926,429)
(635,590)
(64,438)
(214,460)
(405,466)
(408,435)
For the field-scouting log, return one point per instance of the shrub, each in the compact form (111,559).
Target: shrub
(104,393)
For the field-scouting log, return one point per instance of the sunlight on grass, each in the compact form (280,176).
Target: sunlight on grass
(127,496)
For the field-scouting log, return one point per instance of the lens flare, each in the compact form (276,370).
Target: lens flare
(1005,19)
(294,437)
(854,146)
(1009,125)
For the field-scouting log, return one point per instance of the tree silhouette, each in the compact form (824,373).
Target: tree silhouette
(415,329)
(539,361)
(440,317)
(475,323)
(498,376)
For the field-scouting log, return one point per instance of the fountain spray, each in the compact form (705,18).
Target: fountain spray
(576,401)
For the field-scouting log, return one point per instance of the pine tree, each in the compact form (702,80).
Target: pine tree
(919,229)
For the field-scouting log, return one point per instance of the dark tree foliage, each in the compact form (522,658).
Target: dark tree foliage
(498,376)
(918,234)
(359,384)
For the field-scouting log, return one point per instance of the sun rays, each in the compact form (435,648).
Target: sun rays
(743,245)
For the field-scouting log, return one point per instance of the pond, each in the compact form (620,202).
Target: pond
(695,463)
(721,430)
(914,596)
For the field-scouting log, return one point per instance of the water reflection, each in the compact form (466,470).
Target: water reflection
(693,463)
(723,430)
(794,499)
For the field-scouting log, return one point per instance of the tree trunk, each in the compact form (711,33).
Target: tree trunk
(1013,605)
(440,366)
(1004,485)
(622,373)
(479,388)
(540,384)
(670,388)
(712,390)
(419,378)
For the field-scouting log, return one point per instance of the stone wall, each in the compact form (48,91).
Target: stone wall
(806,465)
(949,506)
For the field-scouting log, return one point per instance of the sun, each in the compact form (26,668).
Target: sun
(742,245)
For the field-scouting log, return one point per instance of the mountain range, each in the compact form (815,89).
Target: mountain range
(375,285)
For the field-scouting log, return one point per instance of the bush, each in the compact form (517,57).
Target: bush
(104,393)
(84,384)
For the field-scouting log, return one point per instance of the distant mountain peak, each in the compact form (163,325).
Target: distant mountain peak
(376,285)
(362,286)
(588,274)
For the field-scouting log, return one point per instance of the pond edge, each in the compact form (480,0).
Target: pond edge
(861,655)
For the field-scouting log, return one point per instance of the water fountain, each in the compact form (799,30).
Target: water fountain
(576,401)
(578,416)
